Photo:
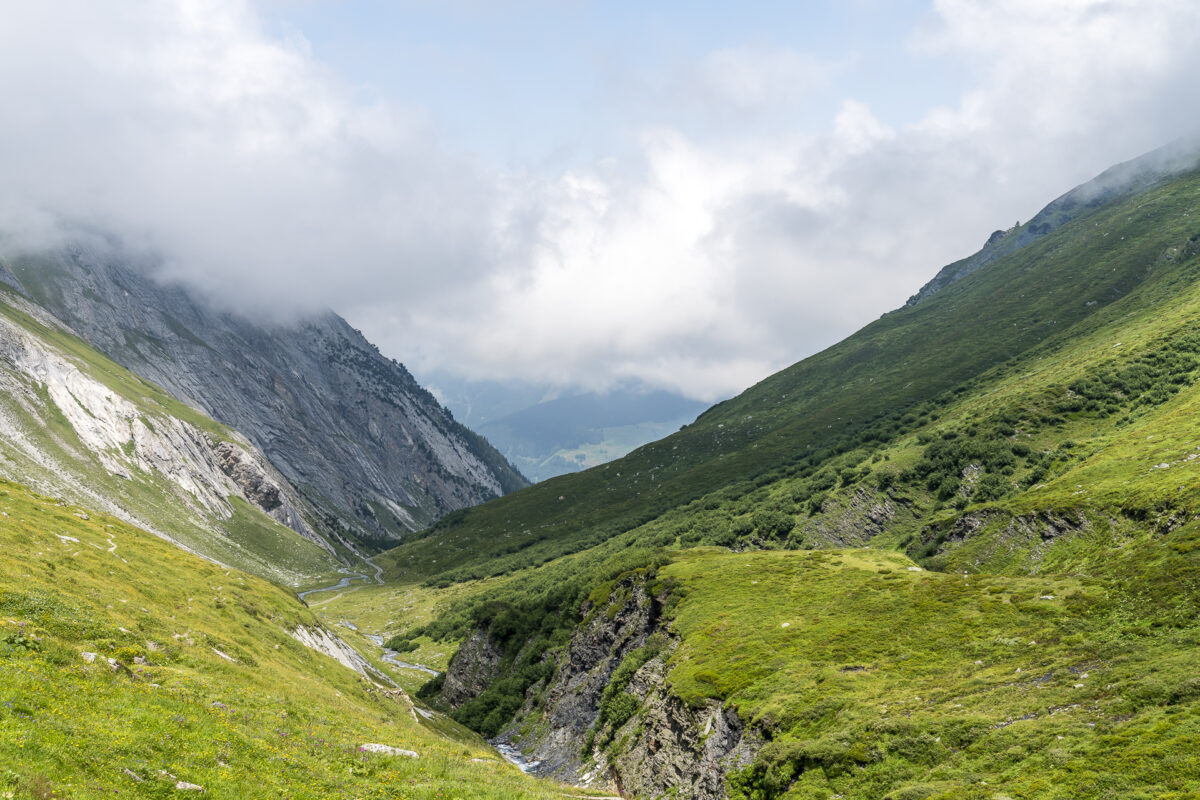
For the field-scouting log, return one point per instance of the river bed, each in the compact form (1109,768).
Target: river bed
(393,658)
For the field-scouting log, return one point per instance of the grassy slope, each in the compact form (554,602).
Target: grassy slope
(278,720)
(877,680)
(1044,293)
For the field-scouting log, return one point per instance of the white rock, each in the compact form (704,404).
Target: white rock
(184,786)
(88,657)
(387,750)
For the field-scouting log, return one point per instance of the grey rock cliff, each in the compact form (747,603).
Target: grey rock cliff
(373,454)
(666,748)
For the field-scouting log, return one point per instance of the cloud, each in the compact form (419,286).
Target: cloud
(697,259)
(254,173)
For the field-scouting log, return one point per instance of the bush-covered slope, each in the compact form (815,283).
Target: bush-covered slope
(210,688)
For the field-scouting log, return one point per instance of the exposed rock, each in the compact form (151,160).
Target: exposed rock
(251,478)
(472,668)
(850,521)
(323,641)
(1031,535)
(388,750)
(682,750)
(666,748)
(184,786)
(371,451)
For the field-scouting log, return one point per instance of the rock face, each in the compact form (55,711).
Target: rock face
(850,521)
(373,454)
(682,749)
(102,428)
(473,667)
(665,748)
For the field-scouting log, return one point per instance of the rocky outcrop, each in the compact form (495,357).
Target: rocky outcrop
(665,747)
(372,453)
(323,641)
(473,668)
(998,537)
(672,747)
(850,521)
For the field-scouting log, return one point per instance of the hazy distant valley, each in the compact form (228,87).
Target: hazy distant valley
(546,432)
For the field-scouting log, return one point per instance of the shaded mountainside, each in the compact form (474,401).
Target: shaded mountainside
(372,453)
(1002,486)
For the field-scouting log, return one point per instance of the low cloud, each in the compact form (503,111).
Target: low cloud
(695,260)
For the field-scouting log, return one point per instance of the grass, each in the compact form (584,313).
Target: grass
(274,719)
(875,677)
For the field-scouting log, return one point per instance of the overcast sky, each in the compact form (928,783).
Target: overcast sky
(690,194)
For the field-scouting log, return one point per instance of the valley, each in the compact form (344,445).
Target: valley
(953,556)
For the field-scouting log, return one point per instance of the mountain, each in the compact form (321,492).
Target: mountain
(142,652)
(74,424)
(954,555)
(834,400)
(578,431)
(371,454)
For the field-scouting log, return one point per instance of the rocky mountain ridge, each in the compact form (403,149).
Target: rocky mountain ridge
(372,454)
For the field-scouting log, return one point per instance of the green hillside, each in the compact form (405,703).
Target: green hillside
(1021,456)
(884,382)
(210,688)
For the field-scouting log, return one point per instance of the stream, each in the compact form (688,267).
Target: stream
(342,584)
(515,756)
(504,748)
(391,657)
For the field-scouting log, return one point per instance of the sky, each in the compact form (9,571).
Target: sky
(684,195)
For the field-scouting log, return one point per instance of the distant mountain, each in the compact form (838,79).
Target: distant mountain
(547,430)
(580,431)
(372,454)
